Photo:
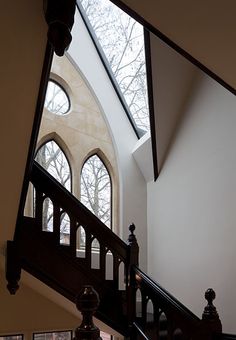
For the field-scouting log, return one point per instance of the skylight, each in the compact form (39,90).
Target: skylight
(122,41)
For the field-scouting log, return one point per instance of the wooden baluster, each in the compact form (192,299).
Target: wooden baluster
(56,223)
(103,261)
(73,238)
(88,248)
(39,199)
(156,315)
(170,329)
(144,309)
(87,303)
(116,264)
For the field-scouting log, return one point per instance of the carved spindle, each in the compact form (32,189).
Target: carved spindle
(59,15)
(13,267)
(210,317)
(87,303)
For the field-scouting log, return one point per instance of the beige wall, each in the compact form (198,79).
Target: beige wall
(23,38)
(82,131)
(28,312)
(191,207)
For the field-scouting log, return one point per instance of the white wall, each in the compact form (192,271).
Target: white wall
(173,77)
(191,206)
(133,191)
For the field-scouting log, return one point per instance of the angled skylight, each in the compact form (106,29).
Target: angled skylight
(122,41)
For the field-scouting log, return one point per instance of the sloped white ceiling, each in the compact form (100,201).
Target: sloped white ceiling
(206,29)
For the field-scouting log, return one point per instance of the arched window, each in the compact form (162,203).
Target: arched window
(96,189)
(52,158)
(57,100)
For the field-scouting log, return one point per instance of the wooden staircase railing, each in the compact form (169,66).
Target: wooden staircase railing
(169,318)
(43,254)
(57,264)
(223,336)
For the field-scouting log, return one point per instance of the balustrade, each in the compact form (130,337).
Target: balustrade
(69,233)
(171,319)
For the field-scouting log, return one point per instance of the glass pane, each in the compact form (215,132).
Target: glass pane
(47,218)
(65,229)
(96,189)
(95,256)
(12,337)
(81,238)
(56,100)
(29,209)
(52,159)
(109,266)
(81,242)
(122,41)
(67,335)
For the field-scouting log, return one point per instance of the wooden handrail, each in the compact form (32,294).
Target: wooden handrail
(225,336)
(178,318)
(51,188)
(143,281)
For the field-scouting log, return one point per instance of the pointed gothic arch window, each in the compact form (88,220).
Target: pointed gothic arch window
(96,188)
(51,157)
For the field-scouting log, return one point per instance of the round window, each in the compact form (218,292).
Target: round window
(57,100)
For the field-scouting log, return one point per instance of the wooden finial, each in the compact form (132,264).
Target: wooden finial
(210,312)
(87,302)
(132,238)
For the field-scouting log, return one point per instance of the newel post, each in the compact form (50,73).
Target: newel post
(133,246)
(210,317)
(87,303)
(13,267)
(59,15)
(133,259)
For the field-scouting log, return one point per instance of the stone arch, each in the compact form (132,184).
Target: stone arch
(116,173)
(60,142)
